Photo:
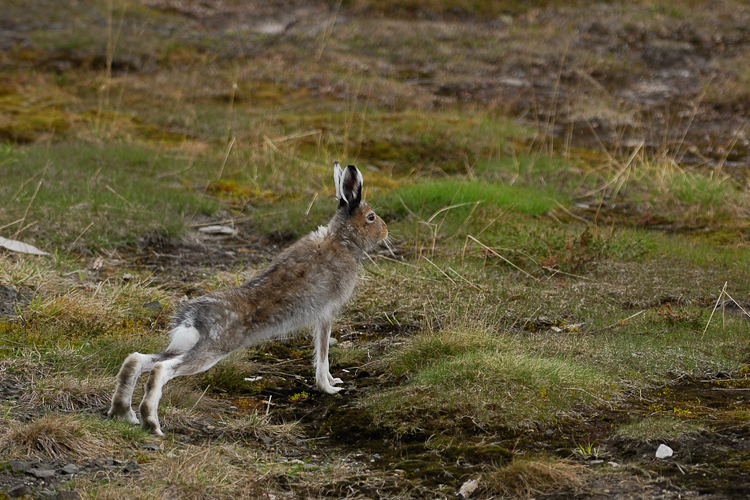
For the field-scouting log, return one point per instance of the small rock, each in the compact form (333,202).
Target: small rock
(266,440)
(68,495)
(100,463)
(151,447)
(70,469)
(613,464)
(664,451)
(46,493)
(468,488)
(19,465)
(18,491)
(333,341)
(154,305)
(41,473)
(132,468)
(310,467)
(549,432)
(218,230)
(596,462)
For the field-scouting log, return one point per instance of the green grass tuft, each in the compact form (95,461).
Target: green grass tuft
(494,377)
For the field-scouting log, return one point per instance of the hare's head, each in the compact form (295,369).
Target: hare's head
(356,219)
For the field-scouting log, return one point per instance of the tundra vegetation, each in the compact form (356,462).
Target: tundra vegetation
(565,183)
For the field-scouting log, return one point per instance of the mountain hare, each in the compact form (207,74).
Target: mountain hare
(305,285)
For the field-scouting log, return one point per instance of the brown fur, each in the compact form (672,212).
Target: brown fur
(305,285)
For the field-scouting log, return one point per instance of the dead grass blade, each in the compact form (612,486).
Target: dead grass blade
(619,323)
(31,201)
(493,252)
(51,437)
(718,300)
(526,478)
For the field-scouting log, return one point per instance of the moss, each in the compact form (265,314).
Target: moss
(23,119)
(238,191)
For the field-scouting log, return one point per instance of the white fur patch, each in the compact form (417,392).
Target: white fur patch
(320,234)
(183,338)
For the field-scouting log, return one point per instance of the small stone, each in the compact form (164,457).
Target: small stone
(46,493)
(41,473)
(154,305)
(266,440)
(310,467)
(68,495)
(468,488)
(132,468)
(664,451)
(596,462)
(151,447)
(549,432)
(333,341)
(70,469)
(18,491)
(100,463)
(19,465)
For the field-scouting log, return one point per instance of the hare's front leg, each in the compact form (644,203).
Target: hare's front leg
(323,378)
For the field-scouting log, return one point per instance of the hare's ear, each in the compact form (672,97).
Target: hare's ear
(348,186)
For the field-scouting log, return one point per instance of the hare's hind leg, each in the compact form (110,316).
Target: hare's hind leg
(192,362)
(131,369)
(323,378)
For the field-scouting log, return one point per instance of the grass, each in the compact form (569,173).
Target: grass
(51,437)
(654,429)
(527,478)
(96,195)
(448,369)
(536,280)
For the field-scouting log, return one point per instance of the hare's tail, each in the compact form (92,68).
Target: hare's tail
(182,337)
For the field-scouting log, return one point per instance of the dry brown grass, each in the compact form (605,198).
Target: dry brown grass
(526,478)
(68,393)
(191,473)
(50,437)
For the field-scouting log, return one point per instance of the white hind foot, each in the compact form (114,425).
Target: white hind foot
(152,425)
(127,414)
(328,388)
(151,396)
(333,381)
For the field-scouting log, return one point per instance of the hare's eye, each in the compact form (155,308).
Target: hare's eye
(370,217)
